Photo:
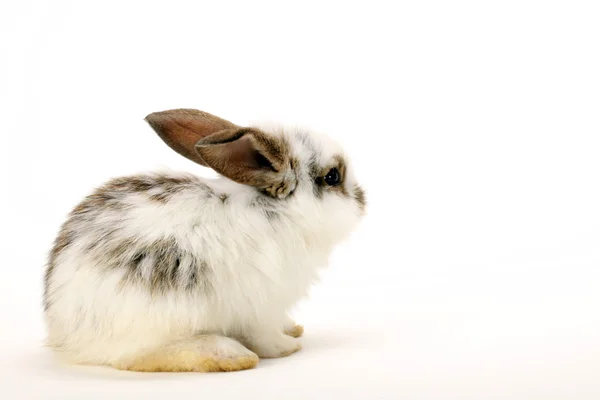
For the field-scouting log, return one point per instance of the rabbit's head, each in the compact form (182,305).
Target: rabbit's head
(287,165)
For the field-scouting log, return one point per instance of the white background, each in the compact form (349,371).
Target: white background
(474,126)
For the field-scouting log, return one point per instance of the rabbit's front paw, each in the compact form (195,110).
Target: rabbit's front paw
(294,330)
(274,346)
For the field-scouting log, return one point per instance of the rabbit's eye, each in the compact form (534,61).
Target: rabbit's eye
(333,177)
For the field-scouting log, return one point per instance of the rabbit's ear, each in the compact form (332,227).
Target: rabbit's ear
(251,157)
(182,128)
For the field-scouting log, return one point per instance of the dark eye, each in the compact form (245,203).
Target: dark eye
(333,177)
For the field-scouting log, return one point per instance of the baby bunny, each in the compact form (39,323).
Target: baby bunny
(173,272)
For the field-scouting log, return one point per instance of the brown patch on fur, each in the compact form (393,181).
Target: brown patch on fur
(271,215)
(266,205)
(99,199)
(198,278)
(294,163)
(170,266)
(340,164)
(361,198)
(286,186)
(319,174)
(314,171)
(114,251)
(63,240)
(296,331)
(158,187)
(280,189)
(165,257)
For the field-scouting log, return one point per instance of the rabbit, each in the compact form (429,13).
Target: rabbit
(170,272)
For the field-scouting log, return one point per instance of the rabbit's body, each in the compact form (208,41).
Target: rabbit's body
(163,271)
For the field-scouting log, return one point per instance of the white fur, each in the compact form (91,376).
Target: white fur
(259,269)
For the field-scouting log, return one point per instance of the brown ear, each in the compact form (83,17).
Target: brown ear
(182,128)
(251,157)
